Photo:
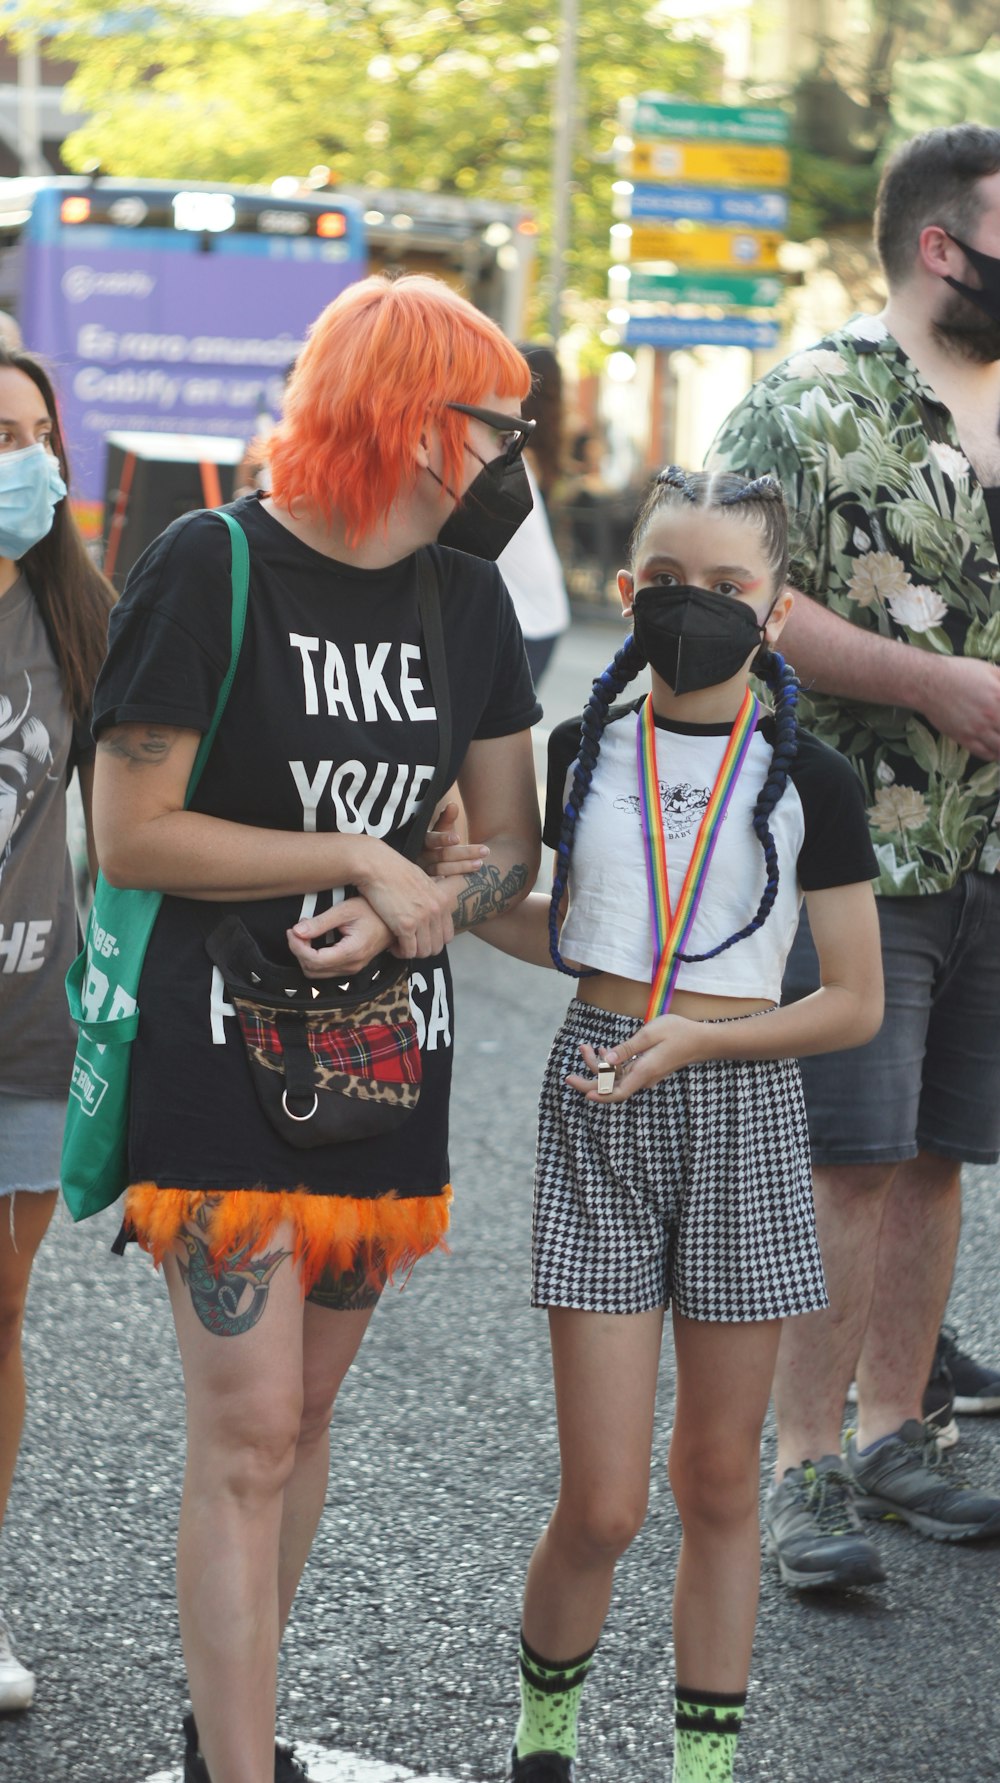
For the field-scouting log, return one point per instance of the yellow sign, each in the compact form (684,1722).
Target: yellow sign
(751,249)
(711,163)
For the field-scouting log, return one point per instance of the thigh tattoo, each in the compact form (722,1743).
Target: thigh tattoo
(228,1295)
(349,1290)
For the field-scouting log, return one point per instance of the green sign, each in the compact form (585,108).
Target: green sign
(704,287)
(654,115)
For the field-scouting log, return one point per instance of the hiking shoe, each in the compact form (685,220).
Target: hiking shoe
(907,1476)
(540,1767)
(976,1388)
(17,1684)
(814,1530)
(938,1402)
(287,1768)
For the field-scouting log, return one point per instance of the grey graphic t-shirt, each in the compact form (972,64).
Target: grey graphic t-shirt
(38,929)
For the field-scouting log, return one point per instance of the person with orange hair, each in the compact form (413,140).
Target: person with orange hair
(400,440)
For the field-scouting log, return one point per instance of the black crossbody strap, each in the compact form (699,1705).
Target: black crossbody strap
(429,602)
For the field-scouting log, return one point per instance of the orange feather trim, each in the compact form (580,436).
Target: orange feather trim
(329,1231)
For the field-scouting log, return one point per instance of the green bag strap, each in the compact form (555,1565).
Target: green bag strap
(241,584)
(124,1029)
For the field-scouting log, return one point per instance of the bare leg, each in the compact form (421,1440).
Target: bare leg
(240,1337)
(913,1271)
(330,1342)
(32,1213)
(605,1368)
(819,1351)
(724,1375)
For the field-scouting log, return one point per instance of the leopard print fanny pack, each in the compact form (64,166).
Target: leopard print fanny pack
(328,1064)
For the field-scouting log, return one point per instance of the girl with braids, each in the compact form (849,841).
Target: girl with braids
(687,827)
(53,623)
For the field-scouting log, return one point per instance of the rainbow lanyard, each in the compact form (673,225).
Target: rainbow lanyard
(672,929)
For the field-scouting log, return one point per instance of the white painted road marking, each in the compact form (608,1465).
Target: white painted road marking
(325,1766)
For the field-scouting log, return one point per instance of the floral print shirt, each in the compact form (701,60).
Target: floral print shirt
(890,530)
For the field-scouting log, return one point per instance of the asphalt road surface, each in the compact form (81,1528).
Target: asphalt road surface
(400,1660)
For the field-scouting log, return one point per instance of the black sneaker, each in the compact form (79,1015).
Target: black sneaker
(976,1388)
(938,1405)
(814,1531)
(908,1477)
(287,1768)
(540,1767)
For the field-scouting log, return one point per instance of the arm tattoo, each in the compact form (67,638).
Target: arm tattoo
(140,745)
(228,1296)
(488,894)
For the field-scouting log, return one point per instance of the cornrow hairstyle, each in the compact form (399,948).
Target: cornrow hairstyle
(702,489)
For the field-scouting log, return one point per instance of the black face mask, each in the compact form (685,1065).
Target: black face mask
(988,268)
(693,638)
(490,511)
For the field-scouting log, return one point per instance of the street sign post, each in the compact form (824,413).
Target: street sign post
(711,163)
(656,115)
(753,210)
(706,204)
(751,250)
(646,286)
(700,331)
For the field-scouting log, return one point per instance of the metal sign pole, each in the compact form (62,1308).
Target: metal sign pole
(564,131)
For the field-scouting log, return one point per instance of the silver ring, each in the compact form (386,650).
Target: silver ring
(299,1117)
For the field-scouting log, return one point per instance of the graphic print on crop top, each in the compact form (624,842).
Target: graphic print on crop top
(818,825)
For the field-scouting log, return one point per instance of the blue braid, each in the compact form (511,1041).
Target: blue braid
(615,678)
(781,679)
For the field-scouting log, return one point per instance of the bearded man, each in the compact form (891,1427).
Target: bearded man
(886,439)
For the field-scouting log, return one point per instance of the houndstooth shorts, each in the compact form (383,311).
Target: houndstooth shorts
(696,1191)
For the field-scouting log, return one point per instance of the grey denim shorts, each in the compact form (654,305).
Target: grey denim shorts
(930,1080)
(31,1130)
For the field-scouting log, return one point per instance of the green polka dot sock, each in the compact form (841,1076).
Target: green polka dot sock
(706,1729)
(550,1703)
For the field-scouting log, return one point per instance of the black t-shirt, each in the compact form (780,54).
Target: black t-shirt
(330,725)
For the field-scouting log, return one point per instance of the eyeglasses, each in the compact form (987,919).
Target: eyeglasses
(514,432)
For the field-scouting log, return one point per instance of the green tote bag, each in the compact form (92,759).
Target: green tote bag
(103,985)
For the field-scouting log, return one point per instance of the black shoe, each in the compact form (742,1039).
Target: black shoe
(540,1767)
(976,1388)
(939,1400)
(287,1768)
(940,1403)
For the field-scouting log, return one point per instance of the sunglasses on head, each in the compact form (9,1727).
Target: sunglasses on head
(514,432)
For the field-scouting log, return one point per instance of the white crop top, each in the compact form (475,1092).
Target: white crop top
(819,827)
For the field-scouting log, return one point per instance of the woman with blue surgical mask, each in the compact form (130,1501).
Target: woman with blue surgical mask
(53,623)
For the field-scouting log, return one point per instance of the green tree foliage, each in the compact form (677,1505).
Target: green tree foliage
(917,64)
(450,97)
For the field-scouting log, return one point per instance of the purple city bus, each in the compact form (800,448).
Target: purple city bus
(168,307)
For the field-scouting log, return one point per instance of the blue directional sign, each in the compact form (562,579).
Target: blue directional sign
(707,204)
(704,331)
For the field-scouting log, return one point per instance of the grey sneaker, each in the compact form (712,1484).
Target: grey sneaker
(17,1684)
(814,1530)
(908,1477)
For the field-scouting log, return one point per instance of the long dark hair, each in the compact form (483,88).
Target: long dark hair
(73,597)
(764,503)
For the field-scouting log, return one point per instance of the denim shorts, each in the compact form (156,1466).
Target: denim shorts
(930,1080)
(31,1130)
